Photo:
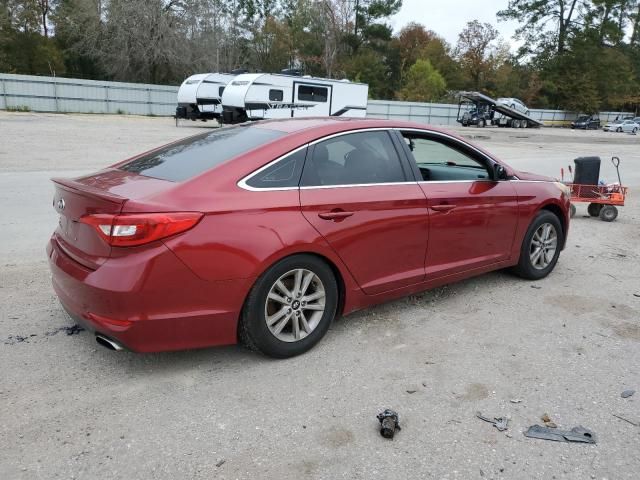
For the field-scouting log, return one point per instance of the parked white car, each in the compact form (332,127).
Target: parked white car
(628,126)
(514,104)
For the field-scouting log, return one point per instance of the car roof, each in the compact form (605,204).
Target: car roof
(328,125)
(314,128)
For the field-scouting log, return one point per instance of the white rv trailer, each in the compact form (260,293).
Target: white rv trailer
(256,96)
(199,96)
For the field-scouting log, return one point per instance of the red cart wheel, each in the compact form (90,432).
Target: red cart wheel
(608,213)
(594,209)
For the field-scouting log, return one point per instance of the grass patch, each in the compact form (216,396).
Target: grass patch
(19,108)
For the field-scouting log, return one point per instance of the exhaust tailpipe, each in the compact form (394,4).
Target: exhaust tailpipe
(108,343)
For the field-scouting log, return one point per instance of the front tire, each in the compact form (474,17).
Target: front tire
(290,307)
(540,247)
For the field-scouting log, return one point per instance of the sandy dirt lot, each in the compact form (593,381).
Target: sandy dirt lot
(566,346)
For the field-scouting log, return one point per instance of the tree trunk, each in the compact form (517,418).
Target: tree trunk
(635,36)
(565,23)
(603,22)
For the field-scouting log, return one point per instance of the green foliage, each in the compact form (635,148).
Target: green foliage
(423,84)
(368,67)
(576,54)
(19,108)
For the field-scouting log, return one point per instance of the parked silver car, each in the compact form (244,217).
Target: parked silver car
(628,126)
(514,104)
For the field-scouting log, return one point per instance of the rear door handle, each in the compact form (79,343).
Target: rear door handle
(443,208)
(338,215)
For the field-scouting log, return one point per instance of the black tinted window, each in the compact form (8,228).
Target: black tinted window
(312,94)
(220,91)
(356,158)
(284,173)
(276,95)
(195,155)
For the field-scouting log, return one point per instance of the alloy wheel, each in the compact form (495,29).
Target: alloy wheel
(543,246)
(295,305)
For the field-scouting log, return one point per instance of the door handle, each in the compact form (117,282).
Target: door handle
(337,215)
(445,207)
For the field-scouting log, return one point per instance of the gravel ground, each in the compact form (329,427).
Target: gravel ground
(566,346)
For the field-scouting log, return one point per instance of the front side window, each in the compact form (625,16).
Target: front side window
(276,95)
(353,159)
(439,161)
(284,173)
(313,94)
(220,91)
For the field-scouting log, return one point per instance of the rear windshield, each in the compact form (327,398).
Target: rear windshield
(194,155)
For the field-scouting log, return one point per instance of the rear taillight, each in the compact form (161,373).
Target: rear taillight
(128,230)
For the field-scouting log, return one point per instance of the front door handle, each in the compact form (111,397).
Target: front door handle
(445,207)
(336,215)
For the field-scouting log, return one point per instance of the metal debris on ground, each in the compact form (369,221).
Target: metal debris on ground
(501,423)
(220,463)
(515,400)
(627,393)
(576,434)
(389,423)
(635,424)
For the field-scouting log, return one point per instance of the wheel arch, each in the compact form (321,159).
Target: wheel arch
(338,274)
(558,212)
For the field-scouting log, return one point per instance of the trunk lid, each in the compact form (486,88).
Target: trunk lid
(105,192)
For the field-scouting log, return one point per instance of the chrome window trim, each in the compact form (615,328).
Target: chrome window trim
(355,185)
(243,182)
(450,137)
(427,182)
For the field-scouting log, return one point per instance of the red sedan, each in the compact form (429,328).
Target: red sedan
(265,232)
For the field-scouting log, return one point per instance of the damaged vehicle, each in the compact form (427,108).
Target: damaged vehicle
(264,233)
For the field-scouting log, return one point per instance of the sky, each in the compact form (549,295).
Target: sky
(448,17)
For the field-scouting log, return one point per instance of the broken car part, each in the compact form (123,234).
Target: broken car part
(576,434)
(389,423)
(501,423)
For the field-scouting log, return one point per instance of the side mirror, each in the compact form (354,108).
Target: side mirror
(499,172)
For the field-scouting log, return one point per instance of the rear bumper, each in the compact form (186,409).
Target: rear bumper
(148,300)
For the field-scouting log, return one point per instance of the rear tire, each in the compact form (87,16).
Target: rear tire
(281,319)
(594,209)
(541,247)
(608,213)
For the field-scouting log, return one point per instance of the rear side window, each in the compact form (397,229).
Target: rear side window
(276,95)
(284,173)
(220,91)
(354,159)
(194,155)
(313,94)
